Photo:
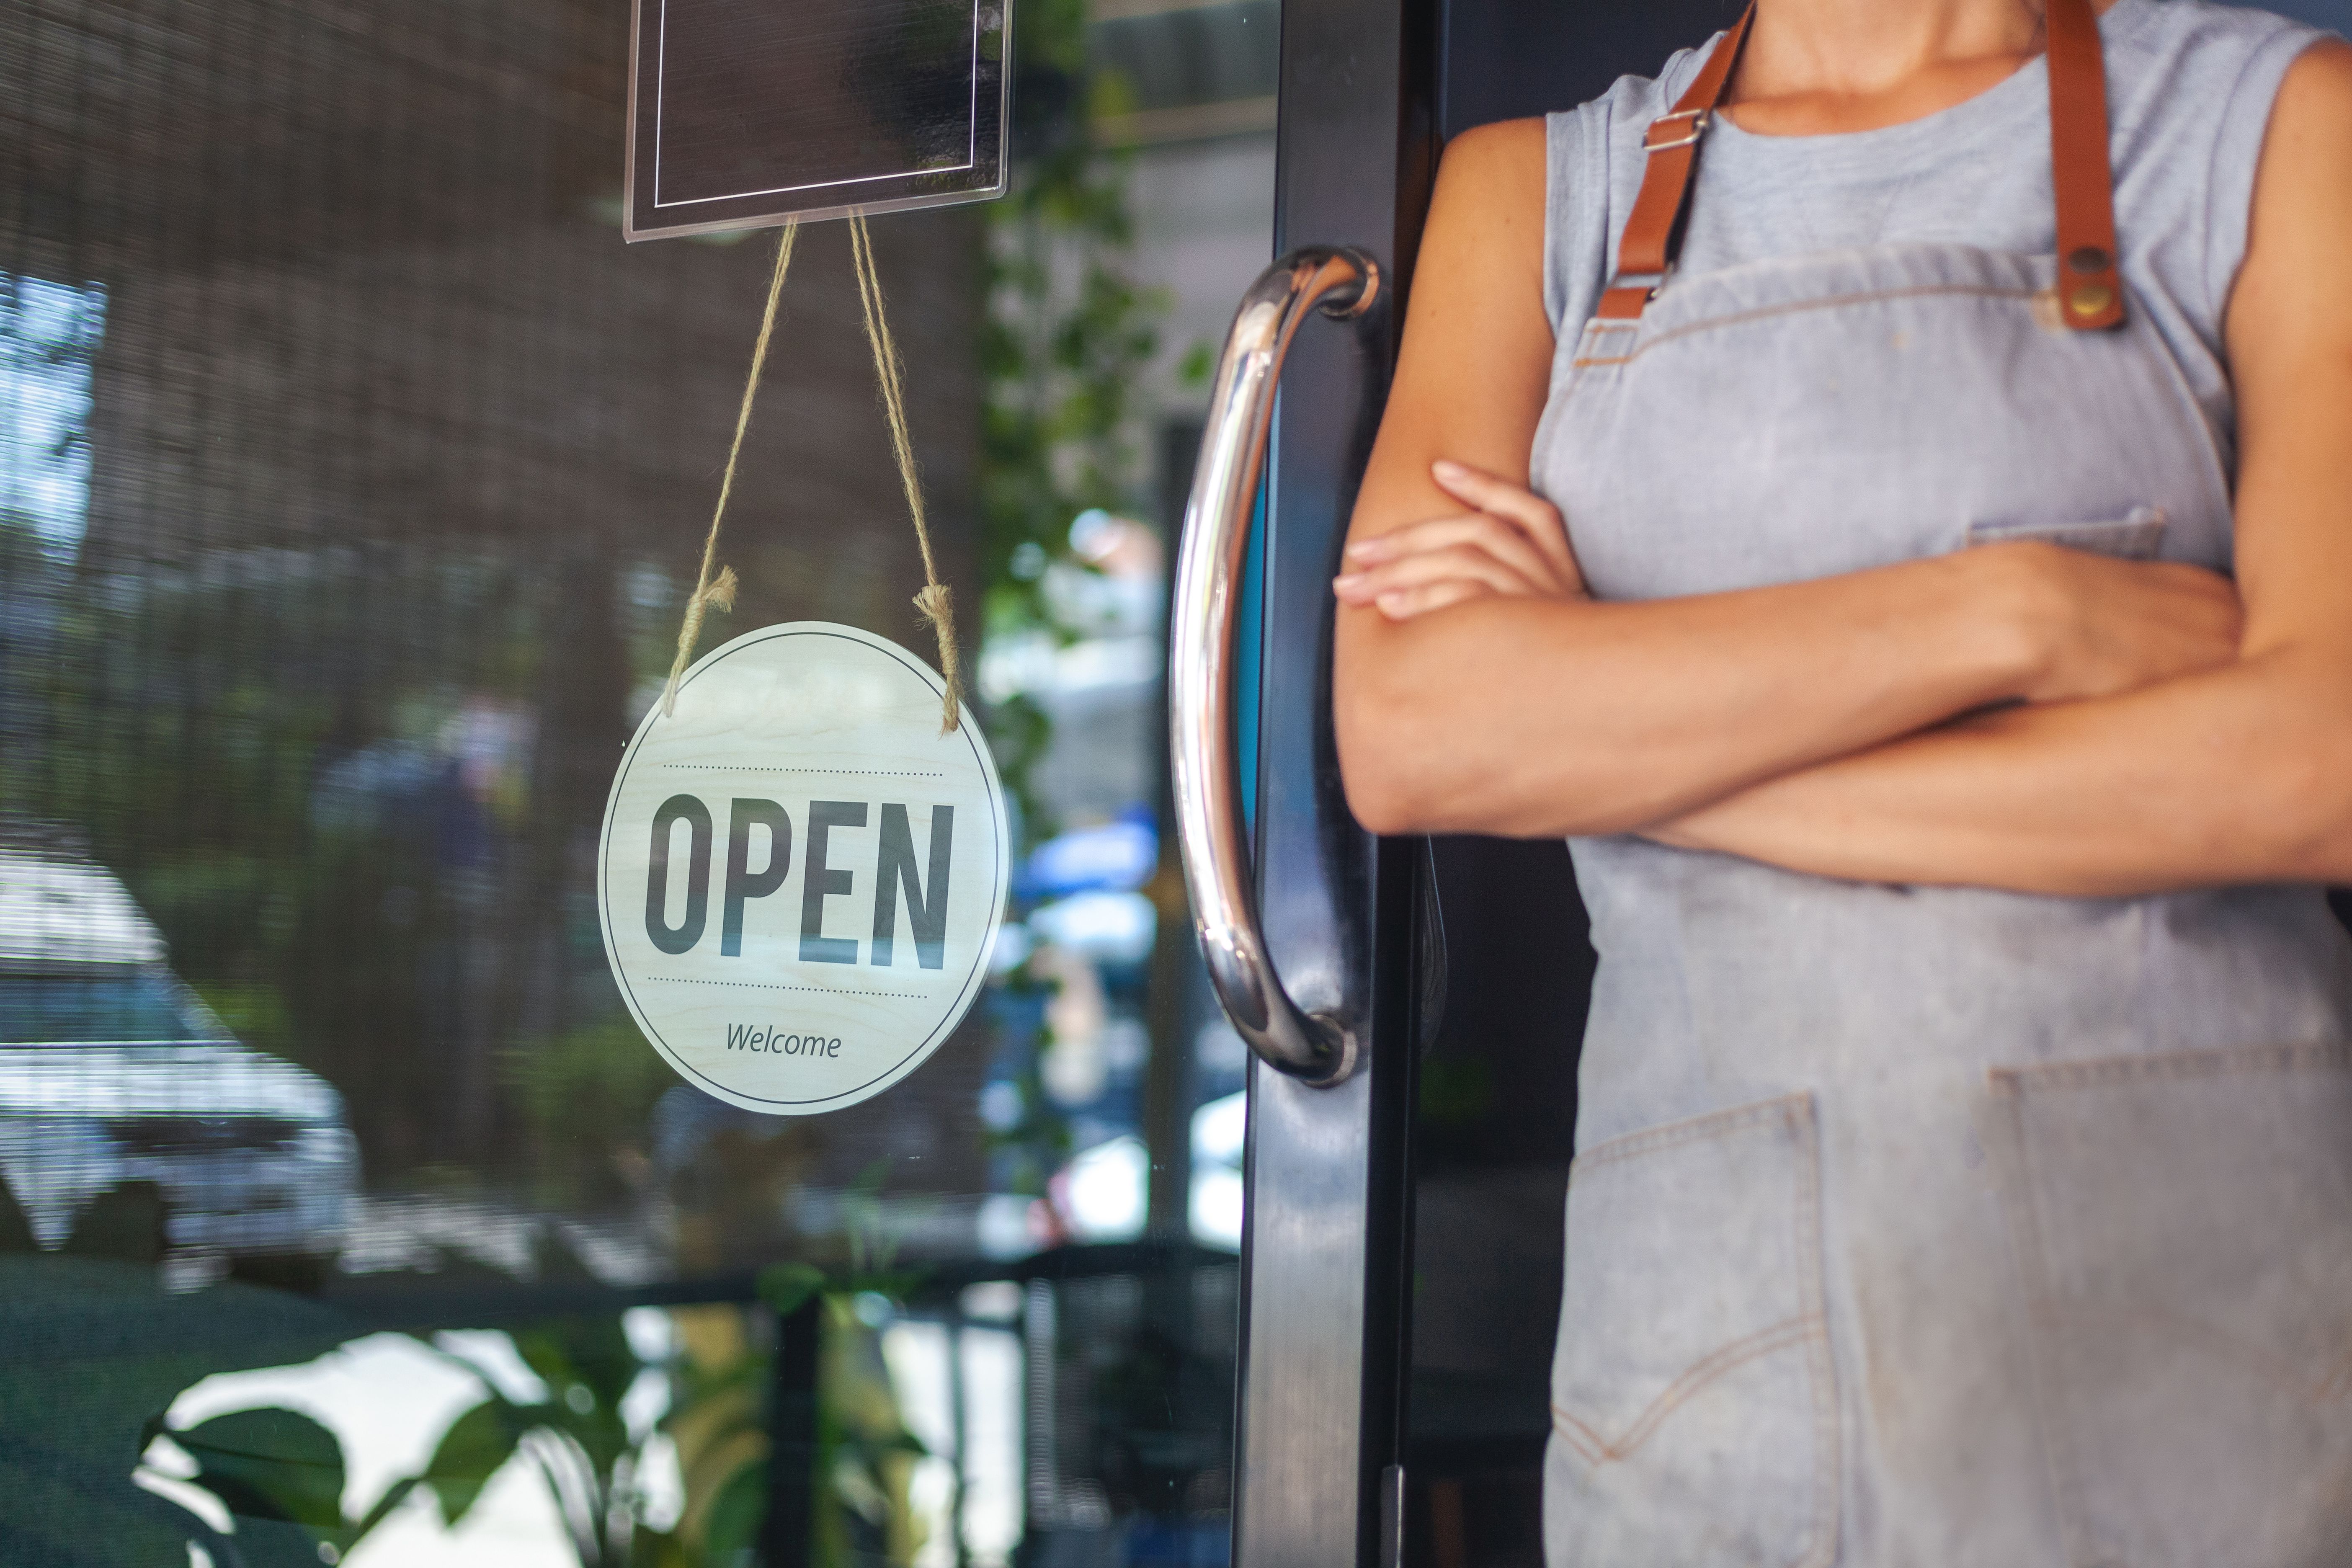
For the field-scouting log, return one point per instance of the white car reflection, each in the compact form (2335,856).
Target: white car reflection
(113,1075)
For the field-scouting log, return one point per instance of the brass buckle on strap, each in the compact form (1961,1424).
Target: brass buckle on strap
(1697,118)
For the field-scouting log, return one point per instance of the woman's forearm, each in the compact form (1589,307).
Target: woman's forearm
(1553,717)
(2243,774)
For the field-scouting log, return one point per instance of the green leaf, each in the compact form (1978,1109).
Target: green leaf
(787,1287)
(737,1515)
(1200,361)
(547,1353)
(394,1495)
(270,1465)
(476,1445)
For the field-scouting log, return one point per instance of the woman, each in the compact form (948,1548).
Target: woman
(1945,674)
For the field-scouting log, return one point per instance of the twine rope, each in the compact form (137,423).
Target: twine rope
(719,593)
(935,604)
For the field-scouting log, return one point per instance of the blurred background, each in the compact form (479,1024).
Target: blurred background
(353,476)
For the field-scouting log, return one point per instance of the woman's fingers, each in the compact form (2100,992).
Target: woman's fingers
(1459,563)
(1403,604)
(1512,546)
(1498,538)
(1535,517)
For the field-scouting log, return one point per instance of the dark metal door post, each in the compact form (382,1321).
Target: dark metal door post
(1325,1272)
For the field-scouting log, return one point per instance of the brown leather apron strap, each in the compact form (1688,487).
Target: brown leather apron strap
(1654,230)
(2090,288)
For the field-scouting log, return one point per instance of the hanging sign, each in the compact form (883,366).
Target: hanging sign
(744,113)
(802,874)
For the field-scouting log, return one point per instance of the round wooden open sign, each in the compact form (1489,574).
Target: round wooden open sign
(800,877)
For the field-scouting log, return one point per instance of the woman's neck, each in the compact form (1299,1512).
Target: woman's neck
(1819,67)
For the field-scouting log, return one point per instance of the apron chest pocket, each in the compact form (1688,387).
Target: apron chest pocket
(1693,1409)
(2183,1225)
(2138,535)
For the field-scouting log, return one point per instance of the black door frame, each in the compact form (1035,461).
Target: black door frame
(1324,1304)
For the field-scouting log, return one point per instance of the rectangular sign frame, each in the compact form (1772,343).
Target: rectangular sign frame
(660,103)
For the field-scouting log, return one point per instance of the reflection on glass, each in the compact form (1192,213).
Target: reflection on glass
(352,473)
(49,333)
(105,1005)
(1220,1134)
(651,1437)
(130,1119)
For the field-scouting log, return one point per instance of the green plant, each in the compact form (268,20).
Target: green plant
(574,1438)
(278,1467)
(1067,335)
(283,1472)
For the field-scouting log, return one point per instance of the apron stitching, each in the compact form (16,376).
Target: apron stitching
(1693,1130)
(2049,1313)
(2020,1197)
(1810,1329)
(2013,1083)
(1923,291)
(2277,1373)
(1821,1369)
(1706,1370)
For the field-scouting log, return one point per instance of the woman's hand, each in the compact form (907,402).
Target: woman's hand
(2106,626)
(1511,544)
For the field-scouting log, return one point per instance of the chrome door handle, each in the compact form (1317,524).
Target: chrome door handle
(1313,1046)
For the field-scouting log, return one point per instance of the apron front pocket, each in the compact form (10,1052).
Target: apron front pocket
(2183,1226)
(1694,1407)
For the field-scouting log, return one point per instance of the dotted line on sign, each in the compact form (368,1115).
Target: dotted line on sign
(762,985)
(839,773)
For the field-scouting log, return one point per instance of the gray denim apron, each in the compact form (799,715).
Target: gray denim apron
(1922,1225)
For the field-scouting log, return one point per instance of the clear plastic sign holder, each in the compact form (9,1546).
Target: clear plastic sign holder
(744,113)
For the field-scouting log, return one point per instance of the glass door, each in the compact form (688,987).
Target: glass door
(353,477)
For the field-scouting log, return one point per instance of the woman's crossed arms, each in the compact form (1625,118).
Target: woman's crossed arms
(2017,716)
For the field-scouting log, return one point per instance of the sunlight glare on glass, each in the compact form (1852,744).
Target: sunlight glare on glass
(49,336)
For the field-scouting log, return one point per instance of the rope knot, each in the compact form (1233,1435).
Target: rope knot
(937,603)
(719,594)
